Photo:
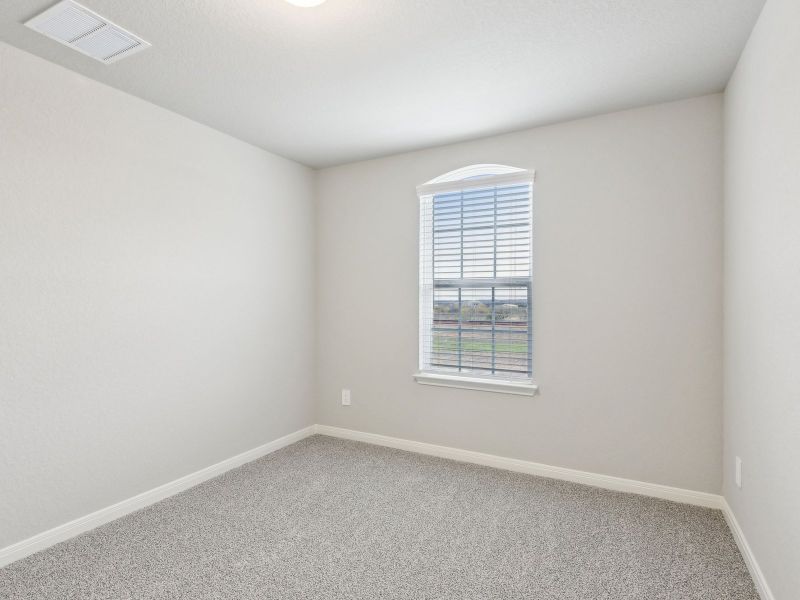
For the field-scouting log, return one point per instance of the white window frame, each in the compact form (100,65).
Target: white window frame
(471,177)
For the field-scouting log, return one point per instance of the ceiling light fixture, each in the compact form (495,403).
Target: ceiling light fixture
(306,3)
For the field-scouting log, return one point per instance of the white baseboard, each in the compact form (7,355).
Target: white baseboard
(63,532)
(608,482)
(68,530)
(747,554)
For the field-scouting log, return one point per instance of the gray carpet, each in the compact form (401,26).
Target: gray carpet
(326,518)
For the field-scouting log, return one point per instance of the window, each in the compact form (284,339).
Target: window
(475,279)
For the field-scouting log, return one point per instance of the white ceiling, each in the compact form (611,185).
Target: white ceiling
(355,79)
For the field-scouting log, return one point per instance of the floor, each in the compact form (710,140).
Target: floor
(328,518)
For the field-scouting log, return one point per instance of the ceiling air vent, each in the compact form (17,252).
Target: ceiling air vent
(85,31)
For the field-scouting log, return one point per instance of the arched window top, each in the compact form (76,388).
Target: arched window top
(473,171)
(475,176)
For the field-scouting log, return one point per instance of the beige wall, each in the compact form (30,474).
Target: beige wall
(762,294)
(627,300)
(155,278)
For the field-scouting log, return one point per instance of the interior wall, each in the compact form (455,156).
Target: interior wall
(156,279)
(627,298)
(762,294)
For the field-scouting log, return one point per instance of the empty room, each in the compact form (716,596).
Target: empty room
(391,299)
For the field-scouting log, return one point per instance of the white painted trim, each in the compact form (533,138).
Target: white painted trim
(66,531)
(747,554)
(479,170)
(608,482)
(518,176)
(73,528)
(476,383)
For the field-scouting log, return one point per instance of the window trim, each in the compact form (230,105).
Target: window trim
(521,388)
(442,187)
(468,178)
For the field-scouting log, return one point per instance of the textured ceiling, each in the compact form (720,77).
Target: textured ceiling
(354,79)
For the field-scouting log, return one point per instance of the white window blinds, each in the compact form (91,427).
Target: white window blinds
(475,276)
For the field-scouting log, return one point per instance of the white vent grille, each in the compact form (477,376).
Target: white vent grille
(85,31)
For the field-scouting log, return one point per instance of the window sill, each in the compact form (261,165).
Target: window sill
(472,383)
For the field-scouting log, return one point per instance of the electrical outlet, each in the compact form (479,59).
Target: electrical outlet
(738,472)
(345,397)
